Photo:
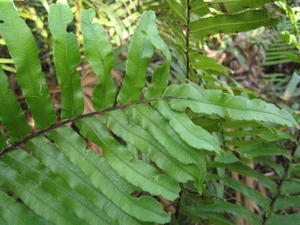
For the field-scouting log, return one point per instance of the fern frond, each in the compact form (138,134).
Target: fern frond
(104,177)
(139,56)
(127,164)
(96,47)
(146,143)
(227,106)
(10,104)
(13,212)
(66,59)
(60,164)
(24,52)
(245,21)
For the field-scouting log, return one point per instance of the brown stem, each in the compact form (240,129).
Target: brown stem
(82,116)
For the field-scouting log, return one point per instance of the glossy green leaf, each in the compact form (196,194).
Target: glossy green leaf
(226,106)
(294,169)
(247,171)
(210,67)
(144,142)
(246,191)
(104,177)
(139,56)
(10,104)
(57,186)
(264,149)
(161,74)
(26,183)
(292,219)
(287,202)
(24,52)
(199,7)
(178,9)
(136,171)
(66,59)
(98,51)
(255,195)
(223,206)
(195,136)
(211,217)
(13,213)
(152,121)
(59,164)
(235,5)
(245,21)
(279,169)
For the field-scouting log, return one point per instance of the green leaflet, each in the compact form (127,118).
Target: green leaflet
(255,195)
(287,202)
(245,21)
(59,164)
(13,213)
(221,206)
(193,135)
(98,51)
(264,149)
(212,218)
(58,188)
(226,157)
(141,49)
(210,66)
(243,143)
(35,194)
(161,74)
(136,171)
(294,169)
(292,219)
(139,56)
(24,52)
(104,177)
(158,127)
(144,142)
(245,190)
(290,187)
(213,102)
(177,8)
(217,219)
(235,5)
(266,133)
(279,169)
(247,171)
(199,7)
(66,59)
(9,104)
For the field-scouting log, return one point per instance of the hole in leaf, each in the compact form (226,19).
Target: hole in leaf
(71,28)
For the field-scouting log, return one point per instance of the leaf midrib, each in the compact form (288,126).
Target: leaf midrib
(128,165)
(236,108)
(60,187)
(105,176)
(225,24)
